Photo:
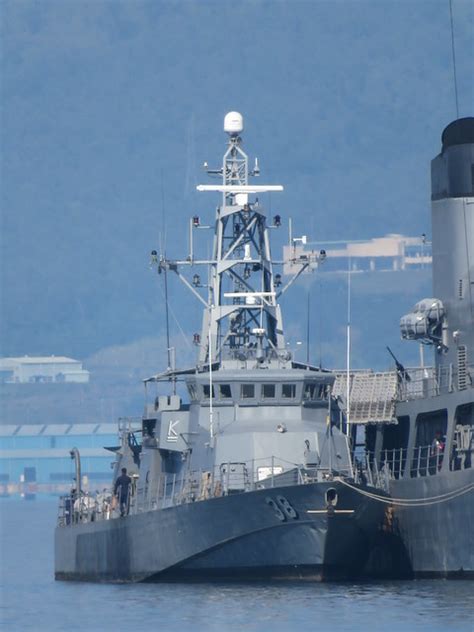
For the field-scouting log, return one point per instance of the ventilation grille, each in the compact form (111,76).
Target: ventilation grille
(462,367)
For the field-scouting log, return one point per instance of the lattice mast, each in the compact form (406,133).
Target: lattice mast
(242,317)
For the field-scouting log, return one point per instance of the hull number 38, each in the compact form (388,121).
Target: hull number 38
(282,508)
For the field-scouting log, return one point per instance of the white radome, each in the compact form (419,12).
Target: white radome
(233,123)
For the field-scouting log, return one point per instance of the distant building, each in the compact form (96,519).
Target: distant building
(40,453)
(381,254)
(28,370)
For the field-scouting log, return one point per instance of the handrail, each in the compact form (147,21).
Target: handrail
(426,460)
(424,382)
(240,477)
(194,486)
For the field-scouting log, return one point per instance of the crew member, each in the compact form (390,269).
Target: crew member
(121,490)
(437,447)
(437,450)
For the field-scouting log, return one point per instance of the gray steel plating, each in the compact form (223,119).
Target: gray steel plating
(279,532)
(434,436)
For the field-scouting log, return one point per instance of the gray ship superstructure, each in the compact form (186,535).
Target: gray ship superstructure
(424,452)
(253,476)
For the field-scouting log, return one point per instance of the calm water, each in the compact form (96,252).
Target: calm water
(32,600)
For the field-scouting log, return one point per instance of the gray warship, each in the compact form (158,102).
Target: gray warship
(252,476)
(420,422)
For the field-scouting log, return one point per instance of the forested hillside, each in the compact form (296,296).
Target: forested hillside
(109,110)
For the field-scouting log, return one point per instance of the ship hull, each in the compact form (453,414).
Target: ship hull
(439,537)
(277,533)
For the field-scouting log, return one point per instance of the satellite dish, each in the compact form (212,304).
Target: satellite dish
(233,123)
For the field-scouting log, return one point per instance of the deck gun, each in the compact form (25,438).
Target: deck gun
(401,371)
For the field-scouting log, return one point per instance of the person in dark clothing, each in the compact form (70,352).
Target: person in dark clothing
(121,490)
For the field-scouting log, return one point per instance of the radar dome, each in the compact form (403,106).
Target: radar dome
(233,123)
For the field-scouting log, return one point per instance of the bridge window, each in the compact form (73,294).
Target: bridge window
(225,391)
(288,391)
(207,389)
(268,391)
(247,391)
(324,390)
(311,391)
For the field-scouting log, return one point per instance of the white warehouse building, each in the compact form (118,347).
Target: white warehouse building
(31,370)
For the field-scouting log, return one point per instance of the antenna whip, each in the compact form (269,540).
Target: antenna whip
(167,319)
(454,58)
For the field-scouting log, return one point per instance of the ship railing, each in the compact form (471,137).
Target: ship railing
(394,461)
(422,382)
(368,471)
(427,460)
(228,479)
(171,489)
(377,472)
(253,353)
(86,508)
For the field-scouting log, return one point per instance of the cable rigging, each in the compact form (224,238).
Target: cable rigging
(412,502)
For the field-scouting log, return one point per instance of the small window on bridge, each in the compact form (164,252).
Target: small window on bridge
(207,389)
(268,391)
(247,391)
(288,391)
(323,391)
(225,391)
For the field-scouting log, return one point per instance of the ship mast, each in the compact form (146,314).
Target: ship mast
(242,314)
(242,319)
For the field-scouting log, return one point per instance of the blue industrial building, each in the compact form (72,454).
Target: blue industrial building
(41,454)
